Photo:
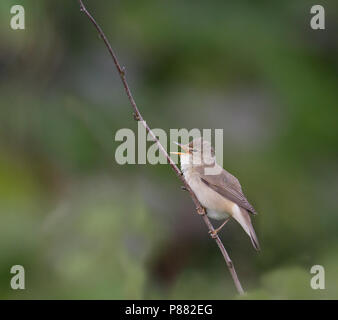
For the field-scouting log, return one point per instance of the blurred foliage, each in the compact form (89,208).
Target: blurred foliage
(85,227)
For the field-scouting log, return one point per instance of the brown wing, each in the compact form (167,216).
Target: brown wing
(228,186)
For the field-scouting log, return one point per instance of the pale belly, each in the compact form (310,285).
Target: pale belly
(218,207)
(217,215)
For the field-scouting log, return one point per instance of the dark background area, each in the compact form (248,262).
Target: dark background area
(85,227)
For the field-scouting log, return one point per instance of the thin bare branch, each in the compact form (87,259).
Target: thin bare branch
(137,116)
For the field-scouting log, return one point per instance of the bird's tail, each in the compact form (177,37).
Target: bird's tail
(243,218)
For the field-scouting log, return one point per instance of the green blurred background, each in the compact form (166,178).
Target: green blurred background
(85,227)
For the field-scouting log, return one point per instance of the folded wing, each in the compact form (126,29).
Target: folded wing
(228,186)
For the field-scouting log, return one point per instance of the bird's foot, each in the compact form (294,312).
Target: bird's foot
(200,211)
(213,234)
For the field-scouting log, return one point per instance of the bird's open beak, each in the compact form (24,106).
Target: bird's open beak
(182,147)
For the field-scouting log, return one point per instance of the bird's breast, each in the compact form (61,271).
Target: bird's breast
(217,206)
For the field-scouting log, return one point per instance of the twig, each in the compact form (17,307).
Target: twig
(138,117)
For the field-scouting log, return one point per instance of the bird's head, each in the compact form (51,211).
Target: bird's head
(196,153)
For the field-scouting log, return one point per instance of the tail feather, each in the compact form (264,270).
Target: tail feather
(243,218)
(254,239)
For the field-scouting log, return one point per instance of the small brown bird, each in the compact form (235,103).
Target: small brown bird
(217,190)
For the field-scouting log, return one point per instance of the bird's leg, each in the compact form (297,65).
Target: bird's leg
(215,232)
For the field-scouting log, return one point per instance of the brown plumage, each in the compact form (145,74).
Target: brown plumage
(218,191)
